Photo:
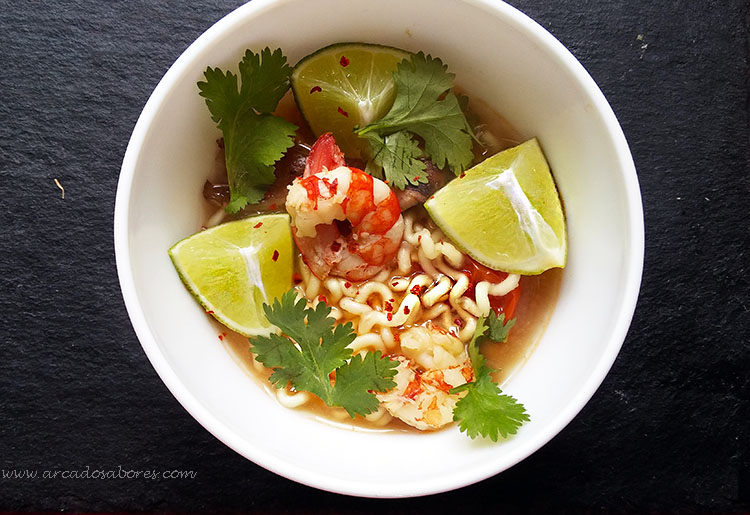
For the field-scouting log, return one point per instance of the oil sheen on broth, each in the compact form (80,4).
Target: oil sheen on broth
(532,314)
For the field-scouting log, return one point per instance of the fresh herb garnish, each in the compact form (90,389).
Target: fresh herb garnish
(313,348)
(426,107)
(396,155)
(498,327)
(485,410)
(254,139)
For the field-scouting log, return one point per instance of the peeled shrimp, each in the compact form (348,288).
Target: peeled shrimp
(345,222)
(422,398)
(433,363)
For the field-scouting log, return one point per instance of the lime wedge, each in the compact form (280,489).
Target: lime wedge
(505,212)
(346,85)
(233,268)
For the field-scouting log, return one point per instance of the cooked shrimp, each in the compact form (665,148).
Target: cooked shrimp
(345,222)
(422,398)
(434,362)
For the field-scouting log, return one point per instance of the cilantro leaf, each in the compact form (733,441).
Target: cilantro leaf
(220,92)
(476,357)
(356,381)
(424,106)
(254,139)
(254,144)
(485,410)
(321,348)
(265,79)
(398,155)
(493,328)
(499,329)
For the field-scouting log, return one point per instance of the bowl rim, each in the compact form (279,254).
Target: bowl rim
(632,263)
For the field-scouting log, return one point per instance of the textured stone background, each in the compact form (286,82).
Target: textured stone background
(666,432)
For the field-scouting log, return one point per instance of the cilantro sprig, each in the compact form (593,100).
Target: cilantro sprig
(254,139)
(485,410)
(426,107)
(315,347)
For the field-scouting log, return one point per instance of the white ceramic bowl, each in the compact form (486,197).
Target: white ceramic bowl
(500,56)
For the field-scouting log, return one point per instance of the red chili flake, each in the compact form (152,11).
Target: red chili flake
(256,226)
(397,338)
(416,290)
(463,174)
(392,300)
(394,284)
(272,207)
(210,311)
(388,306)
(416,178)
(315,89)
(413,389)
(432,197)
(341,111)
(347,284)
(297,278)
(459,323)
(321,298)
(419,239)
(344,61)
(275,255)
(406,310)
(221,337)
(390,316)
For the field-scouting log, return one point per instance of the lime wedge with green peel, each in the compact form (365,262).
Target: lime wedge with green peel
(344,86)
(233,268)
(505,212)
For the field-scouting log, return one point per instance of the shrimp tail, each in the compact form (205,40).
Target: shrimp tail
(324,154)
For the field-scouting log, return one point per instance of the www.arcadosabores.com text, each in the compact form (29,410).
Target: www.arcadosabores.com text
(96,473)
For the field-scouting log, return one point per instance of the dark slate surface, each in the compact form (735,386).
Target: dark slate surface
(666,432)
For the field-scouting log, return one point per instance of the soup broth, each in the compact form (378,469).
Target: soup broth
(538,294)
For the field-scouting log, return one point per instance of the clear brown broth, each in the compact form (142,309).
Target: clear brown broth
(533,312)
